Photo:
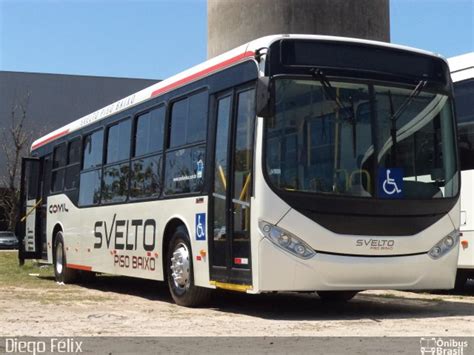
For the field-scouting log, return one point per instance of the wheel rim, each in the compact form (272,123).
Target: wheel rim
(180,267)
(59,258)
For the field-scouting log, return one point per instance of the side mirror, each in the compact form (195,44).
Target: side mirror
(263,108)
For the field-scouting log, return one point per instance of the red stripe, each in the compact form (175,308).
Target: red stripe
(203,72)
(79,267)
(47,140)
(169,87)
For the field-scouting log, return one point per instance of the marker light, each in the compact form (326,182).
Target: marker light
(444,245)
(286,240)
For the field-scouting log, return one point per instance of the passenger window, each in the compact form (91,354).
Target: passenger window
(89,193)
(59,157)
(92,150)
(90,180)
(178,123)
(197,117)
(57,182)
(185,170)
(149,132)
(73,168)
(74,151)
(59,162)
(189,120)
(118,142)
(115,184)
(47,164)
(146,177)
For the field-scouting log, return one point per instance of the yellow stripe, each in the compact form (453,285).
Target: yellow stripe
(222,175)
(31,210)
(245,188)
(232,287)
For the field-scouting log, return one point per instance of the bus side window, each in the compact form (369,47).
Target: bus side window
(185,157)
(59,162)
(116,171)
(89,187)
(73,164)
(146,164)
(46,178)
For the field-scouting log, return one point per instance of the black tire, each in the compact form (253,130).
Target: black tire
(336,296)
(61,271)
(461,279)
(183,291)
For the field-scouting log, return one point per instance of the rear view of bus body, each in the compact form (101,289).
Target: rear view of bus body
(462,72)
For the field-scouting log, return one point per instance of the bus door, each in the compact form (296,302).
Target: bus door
(28,232)
(232,187)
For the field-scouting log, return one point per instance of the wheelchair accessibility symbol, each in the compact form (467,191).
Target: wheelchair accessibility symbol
(390,183)
(200,226)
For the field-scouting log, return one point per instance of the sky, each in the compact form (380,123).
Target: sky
(158,38)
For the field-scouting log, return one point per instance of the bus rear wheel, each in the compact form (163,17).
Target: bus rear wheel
(336,296)
(181,274)
(61,271)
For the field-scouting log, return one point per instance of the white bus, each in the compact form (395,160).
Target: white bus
(291,163)
(462,72)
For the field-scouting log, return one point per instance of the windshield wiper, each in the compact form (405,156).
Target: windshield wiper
(413,95)
(394,116)
(328,92)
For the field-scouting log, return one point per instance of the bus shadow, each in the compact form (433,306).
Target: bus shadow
(468,290)
(302,306)
(147,289)
(297,307)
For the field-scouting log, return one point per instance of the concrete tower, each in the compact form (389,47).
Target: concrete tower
(234,22)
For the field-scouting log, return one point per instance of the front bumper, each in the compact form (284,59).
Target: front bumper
(280,271)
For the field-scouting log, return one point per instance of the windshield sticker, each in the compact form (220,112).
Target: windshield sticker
(390,183)
(199,168)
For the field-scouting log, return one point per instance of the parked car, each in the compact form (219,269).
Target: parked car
(8,240)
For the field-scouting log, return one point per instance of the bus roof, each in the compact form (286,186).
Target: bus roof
(227,59)
(462,66)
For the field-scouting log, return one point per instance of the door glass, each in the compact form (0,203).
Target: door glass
(243,179)
(45,181)
(31,179)
(221,181)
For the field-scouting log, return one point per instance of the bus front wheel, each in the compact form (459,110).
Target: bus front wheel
(336,296)
(180,272)
(61,271)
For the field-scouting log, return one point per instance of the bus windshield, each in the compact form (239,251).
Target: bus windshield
(354,138)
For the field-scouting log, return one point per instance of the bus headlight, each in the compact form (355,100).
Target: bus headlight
(286,240)
(444,245)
